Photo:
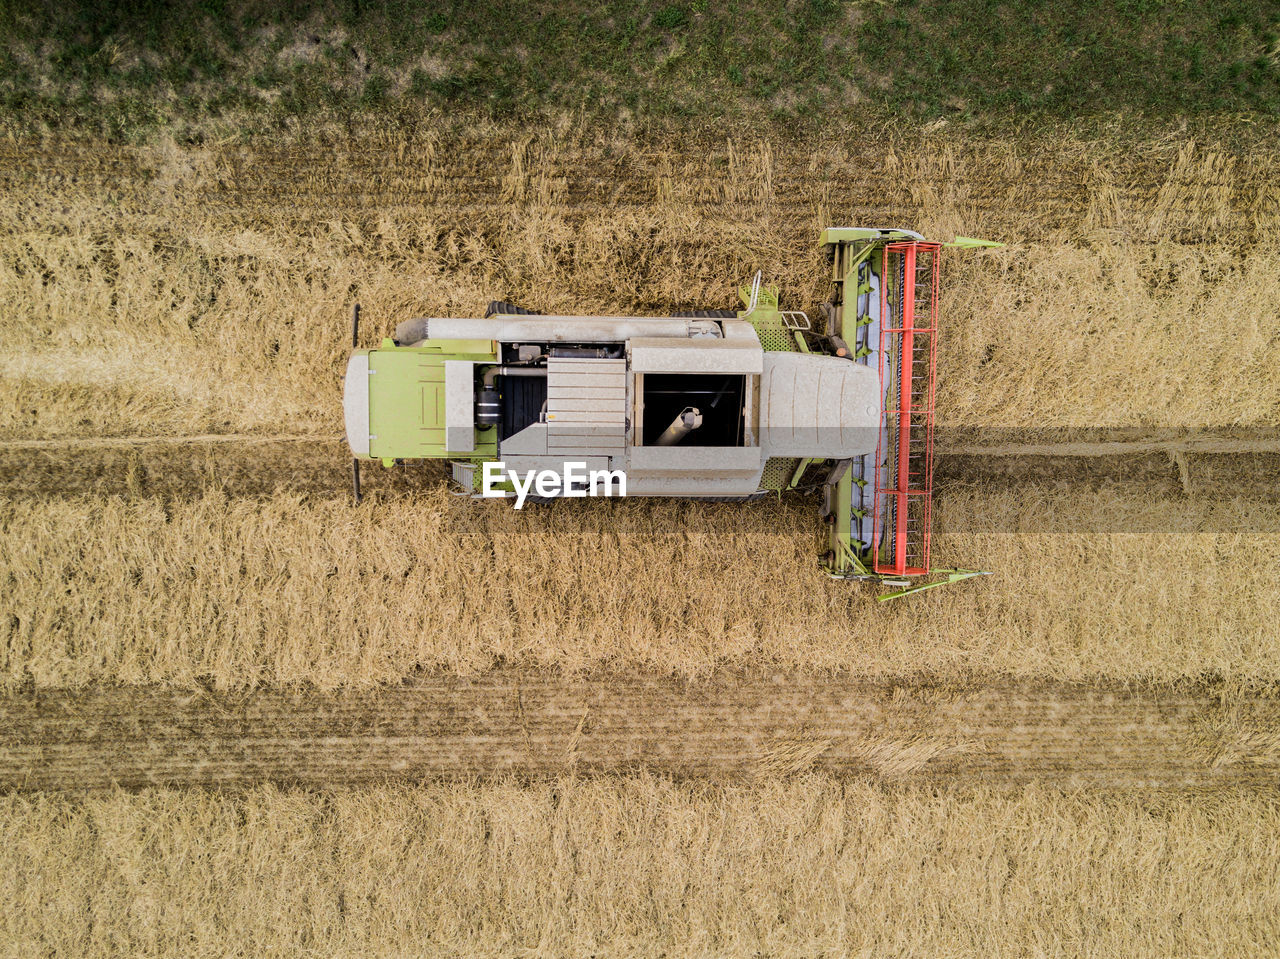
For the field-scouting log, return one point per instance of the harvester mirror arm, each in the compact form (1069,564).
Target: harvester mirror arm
(755,292)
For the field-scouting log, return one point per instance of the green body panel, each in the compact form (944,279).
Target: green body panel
(849,318)
(406,400)
(845,557)
(799,471)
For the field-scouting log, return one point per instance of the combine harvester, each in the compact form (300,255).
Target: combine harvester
(717,405)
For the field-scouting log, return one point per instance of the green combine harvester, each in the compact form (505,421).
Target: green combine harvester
(716,405)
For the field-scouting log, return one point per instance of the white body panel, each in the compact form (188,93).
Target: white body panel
(692,484)
(586,406)
(567,329)
(355,404)
(459,406)
(819,406)
(522,464)
(702,355)
(725,461)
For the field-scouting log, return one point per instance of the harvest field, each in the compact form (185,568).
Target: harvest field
(240,714)
(210,296)
(640,866)
(190,290)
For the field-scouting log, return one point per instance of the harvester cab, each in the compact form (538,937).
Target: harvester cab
(707,405)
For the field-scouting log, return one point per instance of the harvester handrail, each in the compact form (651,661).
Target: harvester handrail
(755,292)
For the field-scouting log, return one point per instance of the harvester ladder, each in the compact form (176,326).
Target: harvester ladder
(908,360)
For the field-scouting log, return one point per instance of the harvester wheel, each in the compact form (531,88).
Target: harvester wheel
(502,307)
(707,314)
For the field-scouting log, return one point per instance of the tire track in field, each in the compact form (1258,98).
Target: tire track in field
(1187,470)
(733,726)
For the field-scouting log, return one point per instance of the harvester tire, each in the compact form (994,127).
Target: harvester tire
(707,315)
(502,307)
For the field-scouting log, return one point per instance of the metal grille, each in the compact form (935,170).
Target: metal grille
(778,339)
(777,473)
(908,356)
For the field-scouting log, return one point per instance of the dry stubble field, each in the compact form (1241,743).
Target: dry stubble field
(167,292)
(161,292)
